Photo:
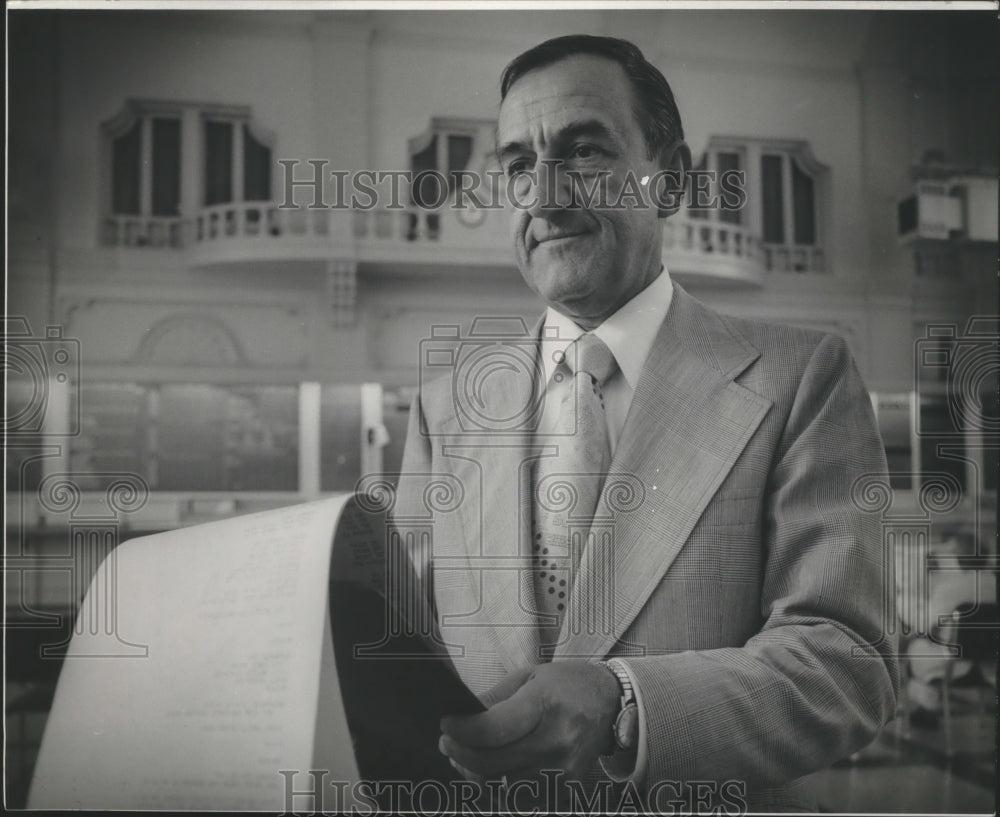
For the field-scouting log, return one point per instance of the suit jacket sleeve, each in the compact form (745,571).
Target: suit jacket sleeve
(820,677)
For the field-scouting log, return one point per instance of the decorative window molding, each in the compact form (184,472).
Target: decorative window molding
(787,198)
(448,146)
(451,144)
(716,161)
(191,339)
(236,158)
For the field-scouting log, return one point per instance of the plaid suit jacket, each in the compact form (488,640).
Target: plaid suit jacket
(729,566)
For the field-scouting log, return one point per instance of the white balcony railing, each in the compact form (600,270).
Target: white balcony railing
(246,231)
(687,235)
(264,231)
(794,258)
(223,222)
(144,231)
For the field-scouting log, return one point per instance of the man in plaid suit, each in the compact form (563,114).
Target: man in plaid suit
(725,623)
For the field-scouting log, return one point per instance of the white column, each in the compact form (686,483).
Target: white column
(146,169)
(56,428)
(309,438)
(238,149)
(192,159)
(373,433)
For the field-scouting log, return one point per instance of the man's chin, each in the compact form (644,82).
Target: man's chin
(560,275)
(560,288)
(572,300)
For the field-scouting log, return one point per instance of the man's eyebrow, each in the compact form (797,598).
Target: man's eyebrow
(508,149)
(592,128)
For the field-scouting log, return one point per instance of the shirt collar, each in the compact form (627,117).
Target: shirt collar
(629,332)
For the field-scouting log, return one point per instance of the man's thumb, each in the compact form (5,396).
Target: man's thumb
(508,686)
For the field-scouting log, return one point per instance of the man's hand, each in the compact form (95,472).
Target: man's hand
(552,716)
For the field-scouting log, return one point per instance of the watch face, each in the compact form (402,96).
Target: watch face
(627,728)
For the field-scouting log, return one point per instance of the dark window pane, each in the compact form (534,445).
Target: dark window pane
(425,159)
(459,152)
(772,203)
(727,162)
(218,162)
(115,435)
(894,423)
(989,417)
(227,438)
(942,448)
(907,215)
(26,407)
(166,167)
(340,437)
(395,418)
(126,153)
(262,438)
(696,208)
(256,168)
(935,354)
(23,463)
(190,433)
(803,200)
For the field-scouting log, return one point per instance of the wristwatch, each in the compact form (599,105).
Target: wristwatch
(626,726)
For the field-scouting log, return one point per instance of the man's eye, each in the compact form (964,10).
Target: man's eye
(517,167)
(584,152)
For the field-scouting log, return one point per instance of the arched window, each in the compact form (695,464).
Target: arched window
(786,201)
(443,151)
(165,160)
(237,162)
(143,159)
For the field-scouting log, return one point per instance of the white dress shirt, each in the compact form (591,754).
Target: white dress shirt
(629,334)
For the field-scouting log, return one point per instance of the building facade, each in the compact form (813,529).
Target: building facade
(194,304)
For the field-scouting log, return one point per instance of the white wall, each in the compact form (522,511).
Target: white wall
(105,59)
(352,87)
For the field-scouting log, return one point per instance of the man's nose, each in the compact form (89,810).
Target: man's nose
(552,192)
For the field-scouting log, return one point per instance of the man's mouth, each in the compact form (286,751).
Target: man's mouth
(556,238)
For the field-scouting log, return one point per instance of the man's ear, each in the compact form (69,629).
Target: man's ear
(675,162)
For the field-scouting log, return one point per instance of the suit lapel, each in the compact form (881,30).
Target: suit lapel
(688,423)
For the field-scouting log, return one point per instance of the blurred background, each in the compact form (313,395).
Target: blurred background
(181,347)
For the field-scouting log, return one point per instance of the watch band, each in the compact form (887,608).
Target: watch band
(624,730)
(624,680)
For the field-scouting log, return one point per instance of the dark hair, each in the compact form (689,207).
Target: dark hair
(655,109)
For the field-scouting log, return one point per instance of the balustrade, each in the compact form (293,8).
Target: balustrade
(794,258)
(144,231)
(698,246)
(709,238)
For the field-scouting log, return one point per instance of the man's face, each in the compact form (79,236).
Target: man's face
(586,261)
